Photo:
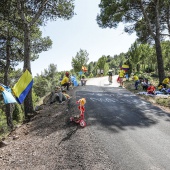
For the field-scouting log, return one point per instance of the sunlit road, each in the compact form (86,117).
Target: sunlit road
(134,133)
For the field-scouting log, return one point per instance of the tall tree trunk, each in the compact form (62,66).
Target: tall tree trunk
(28,105)
(168,18)
(6,70)
(161,72)
(156,37)
(9,115)
(138,67)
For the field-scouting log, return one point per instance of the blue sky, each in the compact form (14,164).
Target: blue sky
(81,32)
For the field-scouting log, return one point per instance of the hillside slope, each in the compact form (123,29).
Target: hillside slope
(37,144)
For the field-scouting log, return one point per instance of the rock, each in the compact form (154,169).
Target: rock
(37,108)
(2,130)
(15,137)
(26,132)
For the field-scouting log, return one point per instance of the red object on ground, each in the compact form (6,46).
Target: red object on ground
(118,79)
(80,119)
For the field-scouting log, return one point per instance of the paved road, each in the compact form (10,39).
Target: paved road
(134,134)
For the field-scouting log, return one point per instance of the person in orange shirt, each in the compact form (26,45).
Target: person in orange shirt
(151,89)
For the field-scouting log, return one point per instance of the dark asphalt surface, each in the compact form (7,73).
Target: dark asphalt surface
(134,133)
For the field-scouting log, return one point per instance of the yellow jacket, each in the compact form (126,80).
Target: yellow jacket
(166,81)
(135,78)
(65,80)
(121,73)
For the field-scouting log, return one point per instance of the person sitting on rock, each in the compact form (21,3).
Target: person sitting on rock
(83,81)
(145,84)
(66,95)
(58,96)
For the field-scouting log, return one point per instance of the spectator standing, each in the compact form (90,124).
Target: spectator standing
(110,76)
(127,76)
(136,79)
(121,76)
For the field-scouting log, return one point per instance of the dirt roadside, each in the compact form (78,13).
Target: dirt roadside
(32,144)
(50,142)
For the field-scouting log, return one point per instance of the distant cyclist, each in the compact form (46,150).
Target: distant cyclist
(110,76)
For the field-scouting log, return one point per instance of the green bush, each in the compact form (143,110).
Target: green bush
(35,98)
(163,102)
(91,75)
(154,75)
(3,124)
(18,114)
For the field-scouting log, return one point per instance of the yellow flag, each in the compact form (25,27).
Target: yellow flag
(23,86)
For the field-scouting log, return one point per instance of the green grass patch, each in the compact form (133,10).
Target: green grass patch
(163,102)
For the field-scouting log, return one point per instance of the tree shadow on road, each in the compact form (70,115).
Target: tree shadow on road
(118,109)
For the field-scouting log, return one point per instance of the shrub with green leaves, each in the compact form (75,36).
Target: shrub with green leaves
(18,114)
(35,98)
(91,75)
(3,124)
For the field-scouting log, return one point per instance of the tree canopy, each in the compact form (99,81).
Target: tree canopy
(153,15)
(80,60)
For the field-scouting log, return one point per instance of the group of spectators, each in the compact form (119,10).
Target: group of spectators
(59,94)
(149,87)
(146,85)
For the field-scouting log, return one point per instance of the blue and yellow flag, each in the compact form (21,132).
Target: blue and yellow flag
(7,95)
(125,67)
(23,86)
